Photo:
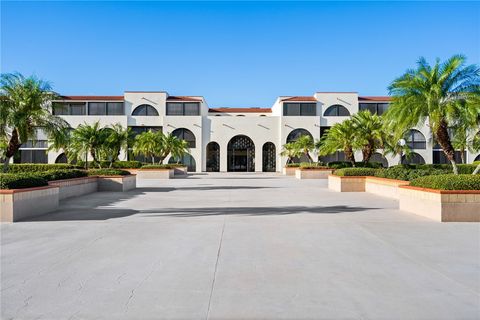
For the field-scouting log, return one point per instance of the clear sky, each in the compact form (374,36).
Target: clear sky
(234,54)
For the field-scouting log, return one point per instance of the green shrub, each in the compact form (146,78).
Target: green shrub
(21,180)
(313,165)
(448,182)
(402,172)
(347,164)
(115,165)
(162,166)
(52,175)
(108,172)
(37,167)
(292,165)
(344,172)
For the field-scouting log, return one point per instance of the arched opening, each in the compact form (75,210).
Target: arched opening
(293,136)
(213,157)
(414,158)
(185,134)
(145,110)
(241,154)
(337,110)
(416,140)
(378,157)
(62,158)
(268,157)
(187,160)
(477,158)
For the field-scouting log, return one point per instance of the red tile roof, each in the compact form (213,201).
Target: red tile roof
(241,110)
(183,98)
(300,98)
(375,98)
(92,98)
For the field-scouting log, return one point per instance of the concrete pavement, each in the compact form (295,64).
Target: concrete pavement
(245,246)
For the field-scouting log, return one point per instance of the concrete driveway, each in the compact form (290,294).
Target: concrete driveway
(251,246)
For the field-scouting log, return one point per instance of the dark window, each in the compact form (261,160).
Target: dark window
(269,158)
(374,108)
(97,108)
(416,140)
(38,144)
(69,109)
(439,157)
(336,110)
(378,157)
(32,152)
(299,109)
(186,160)
(185,134)
(297,133)
(183,109)
(337,156)
(414,158)
(115,108)
(213,157)
(145,110)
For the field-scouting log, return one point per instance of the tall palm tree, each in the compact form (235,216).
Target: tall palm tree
(341,136)
(305,144)
(148,144)
(291,151)
(433,93)
(24,107)
(369,132)
(88,139)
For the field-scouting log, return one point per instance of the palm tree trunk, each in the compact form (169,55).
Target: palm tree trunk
(153,159)
(462,156)
(307,154)
(350,155)
(477,169)
(5,164)
(444,140)
(13,146)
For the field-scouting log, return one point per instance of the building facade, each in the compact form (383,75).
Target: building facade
(229,139)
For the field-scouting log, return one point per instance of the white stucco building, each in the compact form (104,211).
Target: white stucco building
(228,139)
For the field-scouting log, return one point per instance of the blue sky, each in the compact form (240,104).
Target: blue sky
(235,54)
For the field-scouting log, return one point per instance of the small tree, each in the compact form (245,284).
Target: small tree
(179,148)
(394,142)
(291,151)
(88,139)
(148,144)
(369,132)
(305,145)
(341,136)
(116,138)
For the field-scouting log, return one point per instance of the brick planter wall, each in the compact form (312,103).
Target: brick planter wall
(346,184)
(155,173)
(117,183)
(289,171)
(384,187)
(312,173)
(75,187)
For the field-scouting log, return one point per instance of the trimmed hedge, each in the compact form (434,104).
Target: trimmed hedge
(115,165)
(108,172)
(349,172)
(462,168)
(292,165)
(313,165)
(37,167)
(163,166)
(21,180)
(402,172)
(347,164)
(448,182)
(52,175)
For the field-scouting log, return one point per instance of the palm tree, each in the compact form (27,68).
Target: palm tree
(291,151)
(394,142)
(369,132)
(24,107)
(147,143)
(434,93)
(474,146)
(88,139)
(305,144)
(117,138)
(341,136)
(179,148)
(61,141)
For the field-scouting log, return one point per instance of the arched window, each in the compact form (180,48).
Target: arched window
(62,158)
(268,157)
(297,133)
(477,158)
(186,160)
(416,140)
(414,158)
(213,157)
(241,154)
(378,157)
(337,110)
(185,134)
(145,110)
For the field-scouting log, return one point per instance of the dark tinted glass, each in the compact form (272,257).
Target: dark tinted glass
(60,109)
(382,108)
(192,109)
(174,109)
(186,135)
(291,109)
(97,108)
(308,109)
(115,108)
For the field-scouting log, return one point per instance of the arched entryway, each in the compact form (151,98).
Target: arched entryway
(186,160)
(293,136)
(477,158)
(185,134)
(268,157)
(241,154)
(414,158)
(378,157)
(62,158)
(213,157)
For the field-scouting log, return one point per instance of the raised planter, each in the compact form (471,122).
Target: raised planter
(303,173)
(346,184)
(18,204)
(117,183)
(180,171)
(289,171)
(384,187)
(155,173)
(75,187)
(441,205)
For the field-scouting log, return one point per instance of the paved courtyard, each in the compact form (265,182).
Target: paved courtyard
(246,246)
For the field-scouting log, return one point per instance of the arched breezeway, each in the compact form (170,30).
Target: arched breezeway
(186,160)
(241,154)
